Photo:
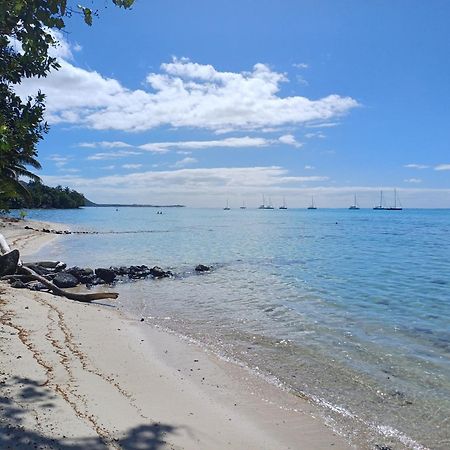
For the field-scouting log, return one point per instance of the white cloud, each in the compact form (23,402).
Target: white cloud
(59,161)
(77,47)
(413,180)
(442,167)
(63,49)
(110,167)
(301,80)
(193,179)
(322,125)
(308,167)
(300,65)
(104,144)
(184,162)
(164,147)
(416,166)
(318,134)
(131,166)
(289,139)
(186,147)
(112,155)
(183,94)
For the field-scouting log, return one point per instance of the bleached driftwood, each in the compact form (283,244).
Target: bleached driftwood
(4,247)
(70,295)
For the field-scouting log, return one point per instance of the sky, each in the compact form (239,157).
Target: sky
(199,102)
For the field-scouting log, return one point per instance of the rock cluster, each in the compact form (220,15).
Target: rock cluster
(63,277)
(67,277)
(46,230)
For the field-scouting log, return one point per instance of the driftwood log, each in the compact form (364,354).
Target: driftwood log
(70,295)
(80,297)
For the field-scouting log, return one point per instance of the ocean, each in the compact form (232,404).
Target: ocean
(350,309)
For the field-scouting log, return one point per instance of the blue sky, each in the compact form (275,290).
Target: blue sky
(202,101)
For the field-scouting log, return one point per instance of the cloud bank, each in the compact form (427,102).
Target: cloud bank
(181,94)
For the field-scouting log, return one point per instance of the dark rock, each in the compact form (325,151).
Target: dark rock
(65,280)
(97,280)
(107,275)
(202,268)
(18,284)
(94,281)
(157,272)
(38,269)
(55,266)
(85,275)
(135,272)
(122,270)
(8,263)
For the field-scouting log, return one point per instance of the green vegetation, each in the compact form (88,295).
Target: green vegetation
(25,40)
(41,196)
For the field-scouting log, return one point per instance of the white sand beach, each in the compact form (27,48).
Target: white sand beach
(84,376)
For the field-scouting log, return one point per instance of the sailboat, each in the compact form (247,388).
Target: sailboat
(243,206)
(312,206)
(264,206)
(227,208)
(283,206)
(355,205)
(395,207)
(380,206)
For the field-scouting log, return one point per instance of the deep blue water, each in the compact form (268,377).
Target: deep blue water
(351,308)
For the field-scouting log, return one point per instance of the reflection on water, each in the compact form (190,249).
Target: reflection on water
(349,307)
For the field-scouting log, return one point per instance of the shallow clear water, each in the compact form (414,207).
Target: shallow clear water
(351,308)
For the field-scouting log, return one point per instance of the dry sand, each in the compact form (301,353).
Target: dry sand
(83,376)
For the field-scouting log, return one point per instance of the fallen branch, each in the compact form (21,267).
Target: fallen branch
(70,295)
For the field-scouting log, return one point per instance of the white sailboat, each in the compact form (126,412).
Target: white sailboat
(380,206)
(227,208)
(395,207)
(355,204)
(283,206)
(264,206)
(312,206)
(388,208)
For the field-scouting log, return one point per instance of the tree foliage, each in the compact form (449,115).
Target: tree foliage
(25,41)
(41,196)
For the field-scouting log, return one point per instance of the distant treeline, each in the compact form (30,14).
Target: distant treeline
(47,197)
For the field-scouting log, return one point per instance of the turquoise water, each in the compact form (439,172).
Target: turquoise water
(350,308)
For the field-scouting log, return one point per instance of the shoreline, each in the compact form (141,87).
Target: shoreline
(85,375)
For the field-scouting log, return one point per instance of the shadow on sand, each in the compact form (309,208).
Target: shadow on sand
(32,396)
